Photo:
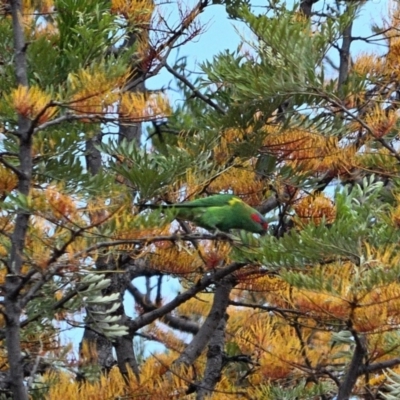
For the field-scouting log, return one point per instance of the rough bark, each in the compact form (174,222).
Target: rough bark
(182,324)
(214,365)
(207,280)
(344,54)
(93,155)
(354,369)
(306,7)
(207,330)
(103,346)
(13,278)
(133,131)
(126,358)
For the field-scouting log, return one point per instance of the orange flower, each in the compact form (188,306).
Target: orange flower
(32,103)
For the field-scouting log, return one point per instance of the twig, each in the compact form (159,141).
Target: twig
(197,93)
(207,279)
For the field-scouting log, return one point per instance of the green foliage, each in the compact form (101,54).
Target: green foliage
(392,388)
(7,66)
(300,391)
(60,155)
(151,173)
(360,218)
(246,139)
(77,22)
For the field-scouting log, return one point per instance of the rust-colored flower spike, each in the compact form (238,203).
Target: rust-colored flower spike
(138,12)
(94,90)
(315,209)
(8,181)
(138,107)
(32,103)
(381,121)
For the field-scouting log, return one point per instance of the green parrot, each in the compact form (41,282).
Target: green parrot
(221,212)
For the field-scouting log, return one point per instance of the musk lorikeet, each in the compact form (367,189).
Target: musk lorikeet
(221,212)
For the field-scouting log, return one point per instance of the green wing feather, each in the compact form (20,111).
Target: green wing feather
(217,200)
(207,212)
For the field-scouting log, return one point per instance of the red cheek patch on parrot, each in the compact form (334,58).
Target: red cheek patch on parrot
(259,220)
(256,218)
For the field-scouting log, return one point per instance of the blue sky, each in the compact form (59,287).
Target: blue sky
(220,34)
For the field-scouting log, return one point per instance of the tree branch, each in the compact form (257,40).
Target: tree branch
(306,7)
(215,358)
(174,322)
(208,279)
(353,371)
(207,330)
(152,239)
(16,258)
(168,44)
(196,92)
(265,308)
(344,54)
(378,366)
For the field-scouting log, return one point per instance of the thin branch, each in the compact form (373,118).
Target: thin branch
(331,375)
(338,104)
(138,271)
(169,44)
(174,322)
(152,239)
(57,253)
(67,117)
(63,118)
(196,92)
(16,171)
(378,366)
(265,308)
(208,279)
(303,352)
(50,104)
